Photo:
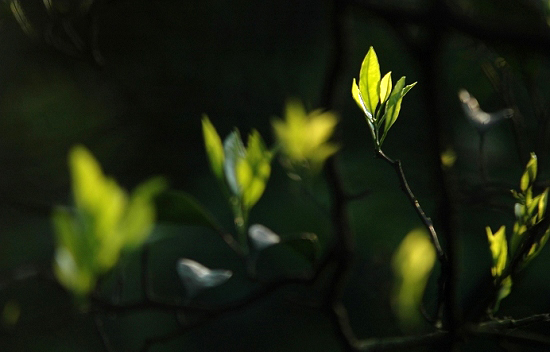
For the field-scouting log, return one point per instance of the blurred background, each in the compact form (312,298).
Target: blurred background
(131,79)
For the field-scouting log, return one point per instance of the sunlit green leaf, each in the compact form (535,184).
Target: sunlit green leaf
(407,88)
(214,148)
(253,171)
(393,106)
(356,94)
(543,201)
(369,80)
(181,208)
(104,222)
(140,214)
(385,87)
(503,292)
(499,250)
(80,280)
(530,173)
(537,247)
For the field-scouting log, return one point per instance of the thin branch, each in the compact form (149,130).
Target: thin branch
(507,330)
(396,164)
(210,313)
(444,276)
(404,342)
(503,324)
(171,306)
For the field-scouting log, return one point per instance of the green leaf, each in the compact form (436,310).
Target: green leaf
(499,250)
(141,213)
(536,248)
(214,148)
(543,201)
(385,87)
(181,208)
(530,173)
(105,222)
(503,292)
(253,171)
(67,236)
(393,106)
(369,81)
(356,94)
(74,257)
(234,152)
(407,88)
(306,245)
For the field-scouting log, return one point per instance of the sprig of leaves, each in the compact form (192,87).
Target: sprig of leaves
(377,99)
(528,237)
(304,137)
(242,172)
(104,221)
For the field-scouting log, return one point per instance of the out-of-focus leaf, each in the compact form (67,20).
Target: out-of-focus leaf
(304,137)
(181,208)
(412,264)
(11,313)
(369,80)
(104,222)
(80,280)
(305,244)
(261,237)
(21,17)
(214,148)
(503,292)
(234,152)
(196,277)
(141,213)
(448,158)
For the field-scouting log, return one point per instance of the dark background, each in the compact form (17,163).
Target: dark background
(165,63)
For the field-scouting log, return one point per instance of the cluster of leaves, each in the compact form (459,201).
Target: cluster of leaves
(242,172)
(379,101)
(105,220)
(528,237)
